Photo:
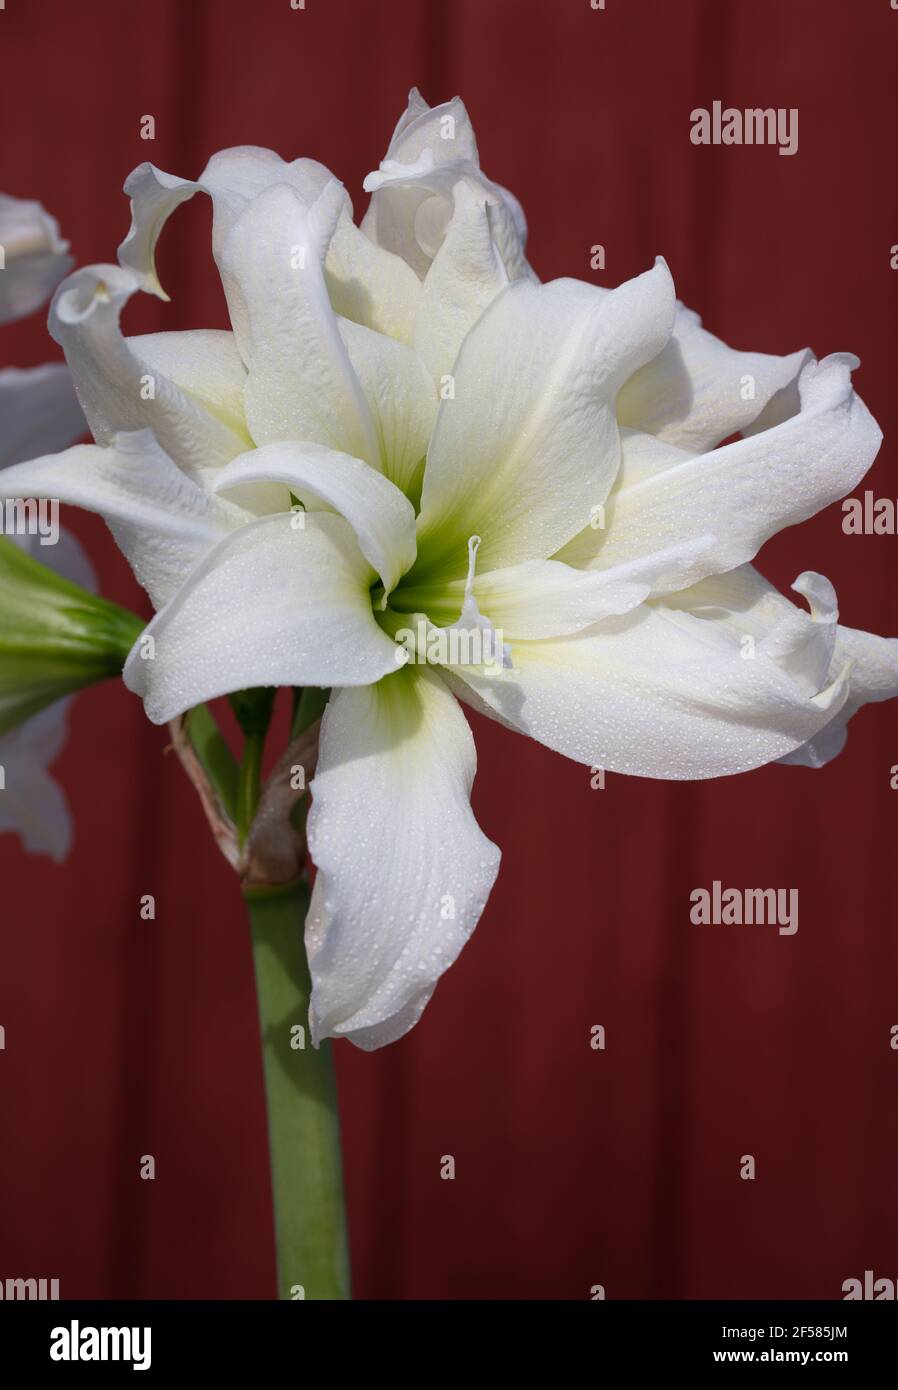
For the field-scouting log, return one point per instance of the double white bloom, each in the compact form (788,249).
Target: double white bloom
(38,412)
(415,386)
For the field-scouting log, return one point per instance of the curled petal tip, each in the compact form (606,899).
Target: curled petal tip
(78,295)
(820,594)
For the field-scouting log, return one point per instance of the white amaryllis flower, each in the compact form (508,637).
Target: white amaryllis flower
(38,412)
(473,449)
(34,257)
(32,803)
(38,408)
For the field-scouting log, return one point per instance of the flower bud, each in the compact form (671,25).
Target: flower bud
(55,636)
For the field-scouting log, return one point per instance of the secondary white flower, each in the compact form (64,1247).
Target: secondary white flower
(38,413)
(34,257)
(471,446)
(32,804)
(38,409)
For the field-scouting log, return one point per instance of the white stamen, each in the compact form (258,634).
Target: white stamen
(469,609)
(471,617)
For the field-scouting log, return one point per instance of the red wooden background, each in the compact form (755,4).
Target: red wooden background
(574,1166)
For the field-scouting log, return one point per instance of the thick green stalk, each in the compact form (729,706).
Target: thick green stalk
(303,1123)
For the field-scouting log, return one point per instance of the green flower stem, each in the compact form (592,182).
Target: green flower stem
(308,705)
(253,709)
(215,756)
(250,783)
(303,1123)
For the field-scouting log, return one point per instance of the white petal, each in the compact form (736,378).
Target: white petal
(154,196)
(203,362)
(743,492)
(874,665)
(232,178)
(428,147)
(206,364)
(32,804)
(416,108)
(657,693)
(444,130)
(698,391)
(370,285)
(466,275)
(401,397)
(163,522)
(411,204)
(300,383)
(39,412)
(539,598)
(751,605)
(529,446)
(367,284)
(823,747)
(382,518)
(509,232)
(403,869)
(273,604)
(755,613)
(236,176)
(117,388)
(34,257)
